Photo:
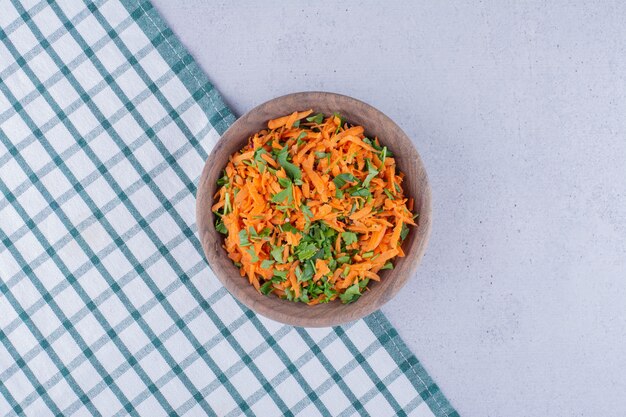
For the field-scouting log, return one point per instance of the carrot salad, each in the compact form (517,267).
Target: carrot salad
(312,209)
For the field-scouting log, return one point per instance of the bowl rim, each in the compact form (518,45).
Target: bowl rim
(204,218)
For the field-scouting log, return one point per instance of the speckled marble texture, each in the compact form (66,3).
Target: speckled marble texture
(518,110)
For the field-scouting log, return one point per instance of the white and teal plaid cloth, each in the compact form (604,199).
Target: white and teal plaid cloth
(107,306)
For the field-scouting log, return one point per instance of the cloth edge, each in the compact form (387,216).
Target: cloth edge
(410,365)
(181,61)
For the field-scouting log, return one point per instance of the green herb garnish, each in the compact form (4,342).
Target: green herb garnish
(351,294)
(342,179)
(277,254)
(220,227)
(291,170)
(318,118)
(349,237)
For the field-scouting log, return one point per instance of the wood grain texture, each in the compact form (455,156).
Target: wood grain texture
(415,185)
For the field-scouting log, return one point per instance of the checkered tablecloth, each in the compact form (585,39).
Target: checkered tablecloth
(107,306)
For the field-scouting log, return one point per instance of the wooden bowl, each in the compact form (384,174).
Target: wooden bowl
(415,185)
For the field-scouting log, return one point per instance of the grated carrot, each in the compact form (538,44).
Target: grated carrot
(312,209)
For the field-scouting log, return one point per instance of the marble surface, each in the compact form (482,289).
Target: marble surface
(518,111)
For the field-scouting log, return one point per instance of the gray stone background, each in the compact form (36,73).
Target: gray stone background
(517,109)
